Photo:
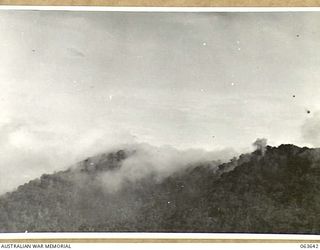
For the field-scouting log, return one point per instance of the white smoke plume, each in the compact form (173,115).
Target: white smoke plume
(261,145)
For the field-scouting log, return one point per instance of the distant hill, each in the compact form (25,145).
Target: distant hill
(276,190)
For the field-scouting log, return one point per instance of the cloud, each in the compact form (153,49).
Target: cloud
(159,162)
(30,149)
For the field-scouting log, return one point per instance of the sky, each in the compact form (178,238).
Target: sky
(76,83)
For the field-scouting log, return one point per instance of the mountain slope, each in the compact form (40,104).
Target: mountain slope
(271,191)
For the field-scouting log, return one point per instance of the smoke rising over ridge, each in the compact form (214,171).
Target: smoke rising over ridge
(260,144)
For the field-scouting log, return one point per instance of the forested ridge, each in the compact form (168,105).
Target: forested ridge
(272,191)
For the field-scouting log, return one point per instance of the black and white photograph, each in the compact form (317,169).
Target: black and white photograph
(160,121)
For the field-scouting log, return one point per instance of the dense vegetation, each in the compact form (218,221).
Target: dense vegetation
(274,191)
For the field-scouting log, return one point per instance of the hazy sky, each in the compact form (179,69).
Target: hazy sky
(73,83)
